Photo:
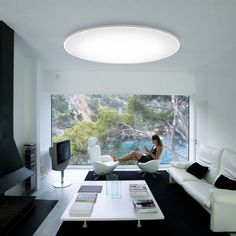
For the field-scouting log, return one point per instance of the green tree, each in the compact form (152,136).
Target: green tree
(79,135)
(167,115)
(108,119)
(62,115)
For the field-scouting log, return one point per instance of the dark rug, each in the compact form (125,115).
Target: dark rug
(183,215)
(29,225)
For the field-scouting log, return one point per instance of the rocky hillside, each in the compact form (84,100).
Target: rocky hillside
(82,108)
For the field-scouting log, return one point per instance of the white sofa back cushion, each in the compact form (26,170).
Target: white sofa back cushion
(228,164)
(210,157)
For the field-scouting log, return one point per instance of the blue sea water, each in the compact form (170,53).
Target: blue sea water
(122,148)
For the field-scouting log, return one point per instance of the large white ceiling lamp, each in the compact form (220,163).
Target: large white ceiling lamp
(122,44)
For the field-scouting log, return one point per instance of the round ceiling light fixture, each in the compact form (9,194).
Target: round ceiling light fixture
(122,44)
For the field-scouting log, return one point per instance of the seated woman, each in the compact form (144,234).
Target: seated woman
(151,154)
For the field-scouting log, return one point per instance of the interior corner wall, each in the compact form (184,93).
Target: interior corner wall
(25,77)
(25,90)
(44,125)
(32,119)
(215,86)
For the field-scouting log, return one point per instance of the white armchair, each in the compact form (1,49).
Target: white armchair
(149,167)
(102,164)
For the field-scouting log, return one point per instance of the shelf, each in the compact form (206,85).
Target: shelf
(31,164)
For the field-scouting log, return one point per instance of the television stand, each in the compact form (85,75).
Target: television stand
(63,183)
(13,210)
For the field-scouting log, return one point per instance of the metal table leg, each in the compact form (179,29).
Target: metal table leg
(139,224)
(85,224)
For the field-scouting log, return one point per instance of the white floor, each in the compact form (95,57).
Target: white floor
(52,223)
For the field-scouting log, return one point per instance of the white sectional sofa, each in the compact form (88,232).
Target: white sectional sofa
(220,203)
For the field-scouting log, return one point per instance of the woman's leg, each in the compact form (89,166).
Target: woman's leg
(131,156)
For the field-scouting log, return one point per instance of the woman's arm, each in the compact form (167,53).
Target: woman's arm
(158,152)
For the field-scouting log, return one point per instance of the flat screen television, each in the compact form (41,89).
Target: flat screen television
(62,151)
(60,154)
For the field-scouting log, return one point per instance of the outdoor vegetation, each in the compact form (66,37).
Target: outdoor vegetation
(121,123)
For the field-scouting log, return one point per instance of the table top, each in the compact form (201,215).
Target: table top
(114,207)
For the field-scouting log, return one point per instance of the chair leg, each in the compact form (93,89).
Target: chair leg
(144,173)
(97,176)
(155,174)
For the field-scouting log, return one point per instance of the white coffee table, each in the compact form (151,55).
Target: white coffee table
(108,208)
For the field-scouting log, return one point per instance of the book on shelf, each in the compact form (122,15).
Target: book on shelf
(90,188)
(138,190)
(81,209)
(86,197)
(144,205)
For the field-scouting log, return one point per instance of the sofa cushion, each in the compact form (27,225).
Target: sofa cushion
(200,191)
(197,170)
(228,164)
(209,156)
(225,183)
(180,175)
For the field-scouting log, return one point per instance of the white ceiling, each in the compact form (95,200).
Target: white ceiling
(206,28)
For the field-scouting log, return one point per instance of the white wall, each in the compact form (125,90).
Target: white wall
(43,124)
(32,106)
(25,78)
(122,82)
(24,97)
(215,85)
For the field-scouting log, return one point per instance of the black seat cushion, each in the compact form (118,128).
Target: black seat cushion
(197,170)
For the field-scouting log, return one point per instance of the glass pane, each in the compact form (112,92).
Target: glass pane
(121,123)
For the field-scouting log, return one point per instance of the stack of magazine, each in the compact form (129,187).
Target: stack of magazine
(86,197)
(83,204)
(144,205)
(138,190)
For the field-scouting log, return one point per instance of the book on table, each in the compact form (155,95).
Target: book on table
(86,197)
(90,188)
(79,208)
(138,190)
(144,205)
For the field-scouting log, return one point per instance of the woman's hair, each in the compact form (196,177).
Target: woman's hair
(157,138)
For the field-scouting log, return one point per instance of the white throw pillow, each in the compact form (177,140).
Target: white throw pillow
(181,165)
(210,157)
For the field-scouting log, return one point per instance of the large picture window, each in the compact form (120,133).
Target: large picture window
(121,123)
